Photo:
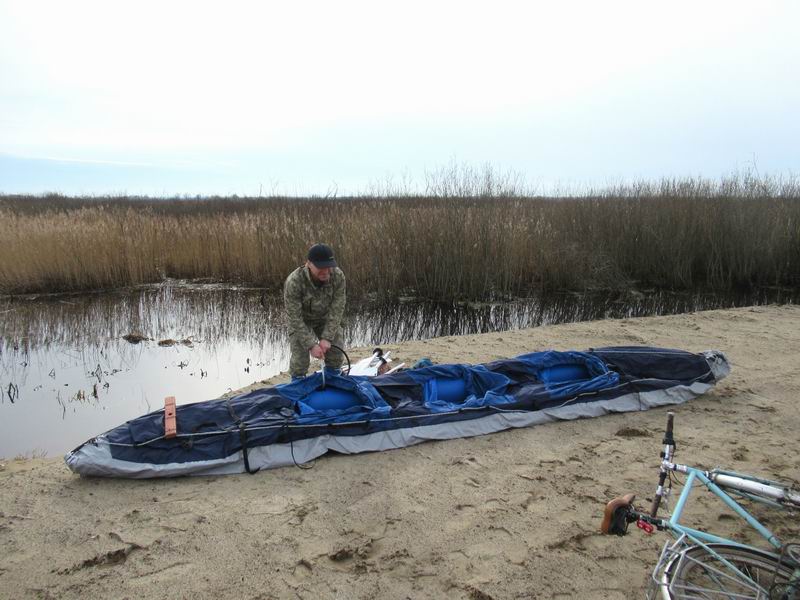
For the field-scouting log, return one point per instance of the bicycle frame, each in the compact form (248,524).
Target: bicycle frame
(734,481)
(722,484)
(758,490)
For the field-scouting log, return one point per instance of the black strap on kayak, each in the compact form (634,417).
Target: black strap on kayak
(242,437)
(288,434)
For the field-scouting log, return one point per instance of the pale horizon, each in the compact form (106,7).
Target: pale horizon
(178,98)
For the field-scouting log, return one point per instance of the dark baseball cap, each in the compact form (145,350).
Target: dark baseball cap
(321,256)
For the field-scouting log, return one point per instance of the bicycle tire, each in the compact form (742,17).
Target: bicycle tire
(696,573)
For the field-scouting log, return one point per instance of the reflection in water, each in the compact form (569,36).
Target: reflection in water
(200,314)
(66,372)
(378,324)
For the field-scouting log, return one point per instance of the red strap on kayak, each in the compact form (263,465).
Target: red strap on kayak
(170,424)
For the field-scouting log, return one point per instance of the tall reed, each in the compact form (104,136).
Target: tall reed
(478,240)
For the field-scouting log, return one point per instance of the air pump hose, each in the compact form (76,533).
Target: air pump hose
(345,355)
(323,363)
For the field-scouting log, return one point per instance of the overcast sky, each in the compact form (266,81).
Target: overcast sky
(220,97)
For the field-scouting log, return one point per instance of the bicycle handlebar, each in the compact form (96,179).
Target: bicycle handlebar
(666,454)
(668,439)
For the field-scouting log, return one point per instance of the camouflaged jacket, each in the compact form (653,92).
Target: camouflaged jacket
(310,306)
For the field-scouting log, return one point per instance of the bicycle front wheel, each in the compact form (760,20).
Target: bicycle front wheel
(700,573)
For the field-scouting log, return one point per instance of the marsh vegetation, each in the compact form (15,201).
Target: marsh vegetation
(476,237)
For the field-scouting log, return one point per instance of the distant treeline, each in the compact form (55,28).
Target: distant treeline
(469,243)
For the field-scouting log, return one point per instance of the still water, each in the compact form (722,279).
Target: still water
(67,373)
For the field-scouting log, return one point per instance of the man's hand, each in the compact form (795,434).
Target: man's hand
(317,352)
(325,345)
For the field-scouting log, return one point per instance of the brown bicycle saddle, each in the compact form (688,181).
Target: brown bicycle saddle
(609,522)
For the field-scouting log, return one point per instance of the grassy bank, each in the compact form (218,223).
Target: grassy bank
(737,233)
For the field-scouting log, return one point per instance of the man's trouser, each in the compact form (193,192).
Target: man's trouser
(300,359)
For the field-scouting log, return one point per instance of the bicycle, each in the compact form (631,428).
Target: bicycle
(698,564)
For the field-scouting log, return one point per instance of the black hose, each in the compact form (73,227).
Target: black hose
(345,355)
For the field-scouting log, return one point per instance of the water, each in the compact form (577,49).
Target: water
(66,373)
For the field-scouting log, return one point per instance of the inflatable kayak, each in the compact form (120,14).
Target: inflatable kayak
(297,422)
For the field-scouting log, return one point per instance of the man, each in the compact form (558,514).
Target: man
(314,297)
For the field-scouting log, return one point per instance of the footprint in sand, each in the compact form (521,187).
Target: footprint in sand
(492,505)
(169,573)
(469,461)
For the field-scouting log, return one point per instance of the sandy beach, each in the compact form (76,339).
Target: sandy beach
(509,515)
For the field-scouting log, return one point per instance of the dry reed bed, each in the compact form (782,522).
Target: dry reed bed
(688,234)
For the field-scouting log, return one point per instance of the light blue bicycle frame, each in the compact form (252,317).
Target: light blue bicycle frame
(702,537)
(722,484)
